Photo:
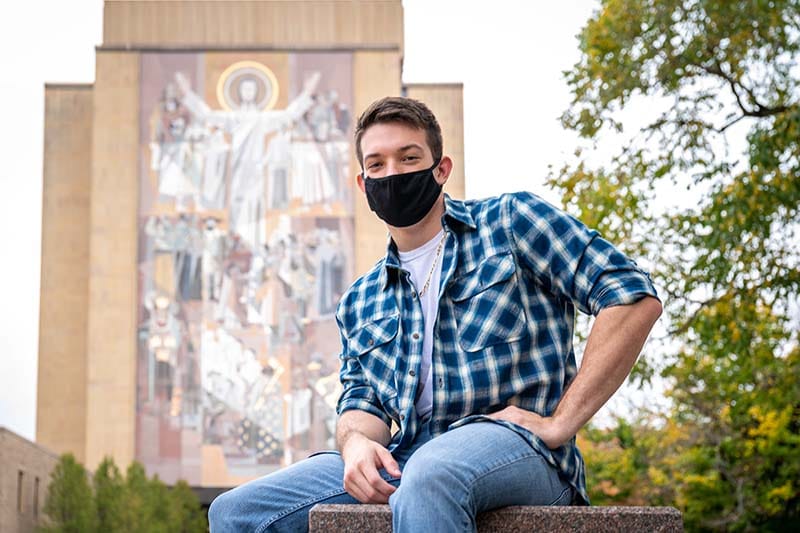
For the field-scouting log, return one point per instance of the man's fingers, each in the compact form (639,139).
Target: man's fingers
(381,487)
(388,463)
(354,483)
(362,479)
(367,486)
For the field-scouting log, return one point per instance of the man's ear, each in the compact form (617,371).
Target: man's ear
(360,181)
(442,172)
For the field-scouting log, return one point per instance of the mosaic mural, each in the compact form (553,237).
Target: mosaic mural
(246,245)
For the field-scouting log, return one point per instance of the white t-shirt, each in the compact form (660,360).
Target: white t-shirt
(418,263)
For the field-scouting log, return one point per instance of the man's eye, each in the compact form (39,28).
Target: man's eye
(411,158)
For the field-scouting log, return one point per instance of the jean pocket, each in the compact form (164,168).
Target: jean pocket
(472,419)
(322,452)
(532,439)
(565,498)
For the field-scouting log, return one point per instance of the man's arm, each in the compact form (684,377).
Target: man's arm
(362,438)
(613,345)
(574,262)
(362,433)
(354,422)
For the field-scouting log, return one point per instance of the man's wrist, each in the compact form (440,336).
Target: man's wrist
(560,430)
(347,439)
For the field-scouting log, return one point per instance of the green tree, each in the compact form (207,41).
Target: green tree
(109,497)
(134,503)
(186,516)
(159,502)
(138,491)
(69,506)
(729,263)
(154,508)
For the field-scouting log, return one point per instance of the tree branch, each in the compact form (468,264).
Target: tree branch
(760,109)
(731,123)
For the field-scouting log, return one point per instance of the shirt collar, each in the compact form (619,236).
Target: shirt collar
(453,210)
(457,210)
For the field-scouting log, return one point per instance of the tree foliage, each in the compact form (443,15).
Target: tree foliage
(727,260)
(114,503)
(69,504)
(109,496)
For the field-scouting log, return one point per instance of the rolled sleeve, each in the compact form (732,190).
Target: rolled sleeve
(573,261)
(357,393)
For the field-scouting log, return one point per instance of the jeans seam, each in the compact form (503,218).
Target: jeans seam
(493,469)
(507,463)
(471,492)
(296,508)
(568,488)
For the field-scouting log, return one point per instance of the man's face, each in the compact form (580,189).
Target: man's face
(394,148)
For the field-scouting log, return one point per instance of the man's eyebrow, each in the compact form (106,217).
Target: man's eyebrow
(409,147)
(401,149)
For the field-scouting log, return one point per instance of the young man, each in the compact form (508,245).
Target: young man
(461,335)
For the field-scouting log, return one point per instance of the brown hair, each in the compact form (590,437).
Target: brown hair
(406,111)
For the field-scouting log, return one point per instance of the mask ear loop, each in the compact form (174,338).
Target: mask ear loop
(434,167)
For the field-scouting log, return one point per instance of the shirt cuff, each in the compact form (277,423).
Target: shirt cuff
(360,404)
(624,288)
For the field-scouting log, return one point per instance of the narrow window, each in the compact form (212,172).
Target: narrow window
(36,496)
(20,480)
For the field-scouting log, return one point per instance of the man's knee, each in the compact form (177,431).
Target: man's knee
(242,509)
(222,508)
(427,481)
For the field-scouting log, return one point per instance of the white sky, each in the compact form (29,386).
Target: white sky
(508,53)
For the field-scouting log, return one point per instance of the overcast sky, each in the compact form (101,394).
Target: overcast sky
(509,54)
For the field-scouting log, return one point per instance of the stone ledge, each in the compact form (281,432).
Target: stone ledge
(378,519)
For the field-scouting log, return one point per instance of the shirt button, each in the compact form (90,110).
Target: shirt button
(370,342)
(441,382)
(413,294)
(415,336)
(402,417)
(412,373)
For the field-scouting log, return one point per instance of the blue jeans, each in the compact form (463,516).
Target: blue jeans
(446,482)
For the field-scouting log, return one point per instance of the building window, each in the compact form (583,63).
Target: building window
(20,480)
(36,496)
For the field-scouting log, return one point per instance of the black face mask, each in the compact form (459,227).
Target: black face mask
(403,200)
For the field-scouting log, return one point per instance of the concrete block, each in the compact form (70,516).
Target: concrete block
(378,518)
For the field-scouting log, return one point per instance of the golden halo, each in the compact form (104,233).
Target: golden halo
(248,68)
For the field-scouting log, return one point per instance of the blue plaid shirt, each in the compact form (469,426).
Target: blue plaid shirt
(513,272)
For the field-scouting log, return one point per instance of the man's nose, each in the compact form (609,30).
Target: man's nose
(391,168)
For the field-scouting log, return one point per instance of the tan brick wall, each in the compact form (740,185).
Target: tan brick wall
(110,425)
(21,500)
(61,394)
(273,23)
(447,103)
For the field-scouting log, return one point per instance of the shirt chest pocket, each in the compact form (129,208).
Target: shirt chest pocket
(374,343)
(487,304)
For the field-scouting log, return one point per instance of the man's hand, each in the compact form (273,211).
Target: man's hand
(362,460)
(546,428)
